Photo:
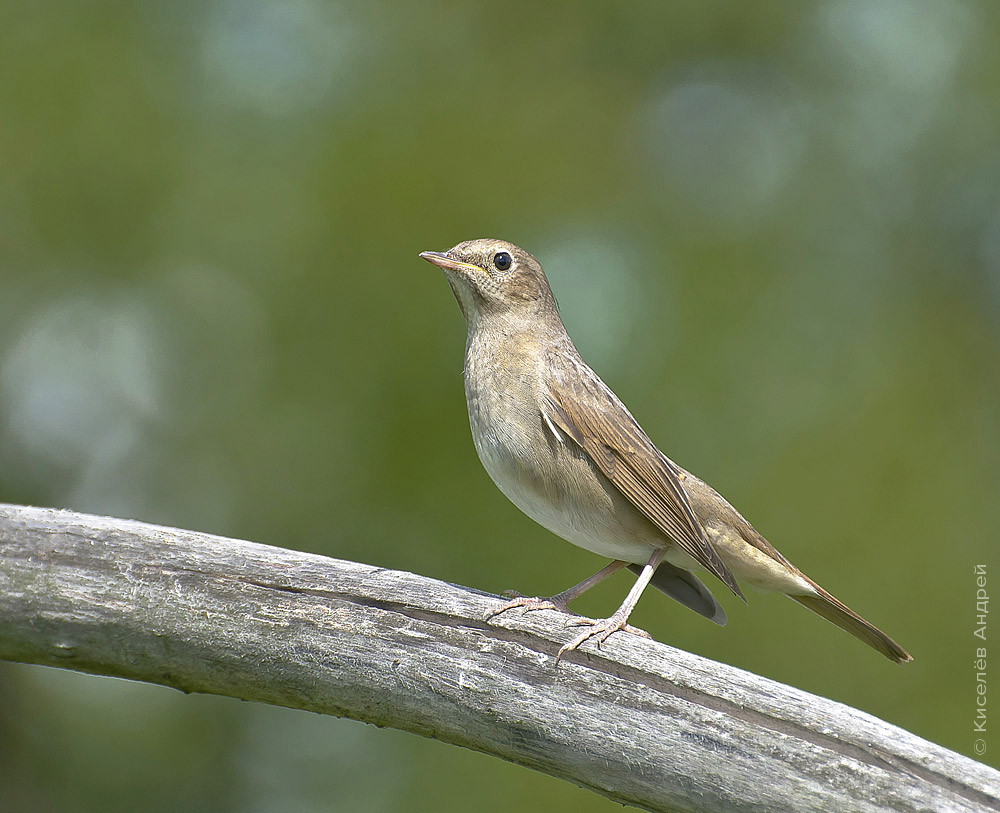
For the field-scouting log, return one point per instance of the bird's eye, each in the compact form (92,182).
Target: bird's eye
(502,261)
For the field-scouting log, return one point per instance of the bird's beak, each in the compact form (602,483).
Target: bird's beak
(442,260)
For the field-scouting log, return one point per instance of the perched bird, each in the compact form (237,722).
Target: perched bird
(560,445)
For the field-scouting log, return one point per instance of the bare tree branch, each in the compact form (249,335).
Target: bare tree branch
(639,722)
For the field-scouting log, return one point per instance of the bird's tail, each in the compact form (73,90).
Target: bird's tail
(844,617)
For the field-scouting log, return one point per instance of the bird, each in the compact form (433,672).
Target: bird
(566,451)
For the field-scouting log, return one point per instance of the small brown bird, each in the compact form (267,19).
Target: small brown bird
(560,445)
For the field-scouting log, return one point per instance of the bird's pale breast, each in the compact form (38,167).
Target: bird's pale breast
(542,472)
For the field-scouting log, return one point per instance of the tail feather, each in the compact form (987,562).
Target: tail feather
(844,617)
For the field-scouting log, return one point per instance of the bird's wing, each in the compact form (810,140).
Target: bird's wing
(584,407)
(683,586)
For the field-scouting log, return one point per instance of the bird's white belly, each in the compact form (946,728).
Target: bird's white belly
(575,505)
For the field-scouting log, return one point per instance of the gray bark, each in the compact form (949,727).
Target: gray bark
(637,721)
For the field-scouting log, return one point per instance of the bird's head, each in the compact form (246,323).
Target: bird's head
(494,279)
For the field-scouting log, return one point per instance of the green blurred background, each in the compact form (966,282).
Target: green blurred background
(773,228)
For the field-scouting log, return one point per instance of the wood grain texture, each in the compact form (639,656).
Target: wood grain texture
(639,722)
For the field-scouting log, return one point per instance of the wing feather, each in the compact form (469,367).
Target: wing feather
(589,413)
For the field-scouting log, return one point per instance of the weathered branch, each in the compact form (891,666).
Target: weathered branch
(638,721)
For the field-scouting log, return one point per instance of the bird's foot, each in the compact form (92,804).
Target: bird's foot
(526,603)
(601,630)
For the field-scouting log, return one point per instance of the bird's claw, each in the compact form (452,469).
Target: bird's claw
(601,630)
(527,604)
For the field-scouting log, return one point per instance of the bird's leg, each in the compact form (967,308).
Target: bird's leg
(603,629)
(560,601)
